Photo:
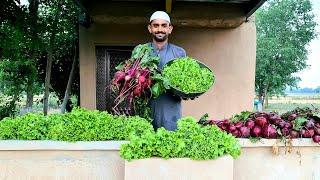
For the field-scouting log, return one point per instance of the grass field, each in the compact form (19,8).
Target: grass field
(291,101)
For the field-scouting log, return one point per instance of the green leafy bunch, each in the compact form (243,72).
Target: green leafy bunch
(144,52)
(79,125)
(187,75)
(191,140)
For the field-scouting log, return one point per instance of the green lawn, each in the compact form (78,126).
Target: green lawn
(287,103)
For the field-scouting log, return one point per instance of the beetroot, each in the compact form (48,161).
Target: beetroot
(292,117)
(261,121)
(226,122)
(232,128)
(294,134)
(281,123)
(307,133)
(274,119)
(256,131)
(147,83)
(285,132)
(288,125)
(249,124)
(235,133)
(127,78)
(119,76)
(264,114)
(244,132)
(141,79)
(310,124)
(137,91)
(223,127)
(269,132)
(316,138)
(238,124)
(317,130)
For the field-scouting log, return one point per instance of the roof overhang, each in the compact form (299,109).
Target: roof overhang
(194,13)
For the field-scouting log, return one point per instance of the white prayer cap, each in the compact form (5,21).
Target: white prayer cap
(160,15)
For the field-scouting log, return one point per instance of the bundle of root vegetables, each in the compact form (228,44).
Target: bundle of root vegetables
(299,123)
(131,84)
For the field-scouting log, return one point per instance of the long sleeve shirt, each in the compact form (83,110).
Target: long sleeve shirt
(166,109)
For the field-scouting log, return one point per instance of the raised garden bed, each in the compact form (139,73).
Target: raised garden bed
(270,159)
(61,160)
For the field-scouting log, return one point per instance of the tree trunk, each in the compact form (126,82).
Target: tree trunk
(266,100)
(29,103)
(68,89)
(33,11)
(48,74)
(265,94)
(260,97)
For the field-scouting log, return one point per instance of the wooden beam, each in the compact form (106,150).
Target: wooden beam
(253,6)
(181,22)
(168,6)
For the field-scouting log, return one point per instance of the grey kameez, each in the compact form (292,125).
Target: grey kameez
(166,109)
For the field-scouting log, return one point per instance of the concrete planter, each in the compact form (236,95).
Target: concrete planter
(61,160)
(101,160)
(179,168)
(258,160)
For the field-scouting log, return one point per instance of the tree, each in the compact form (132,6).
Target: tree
(13,64)
(32,37)
(30,33)
(284,29)
(61,20)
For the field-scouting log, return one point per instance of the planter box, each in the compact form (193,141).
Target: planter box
(101,160)
(179,168)
(257,161)
(61,160)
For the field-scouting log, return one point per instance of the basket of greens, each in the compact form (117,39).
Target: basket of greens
(187,77)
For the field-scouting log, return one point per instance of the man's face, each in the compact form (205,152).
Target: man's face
(160,29)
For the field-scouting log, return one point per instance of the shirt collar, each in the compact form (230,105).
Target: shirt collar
(155,47)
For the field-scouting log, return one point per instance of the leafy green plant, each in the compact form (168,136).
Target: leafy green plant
(187,75)
(242,116)
(7,108)
(79,125)
(298,123)
(191,140)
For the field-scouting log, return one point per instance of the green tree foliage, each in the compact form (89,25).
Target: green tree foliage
(30,35)
(284,29)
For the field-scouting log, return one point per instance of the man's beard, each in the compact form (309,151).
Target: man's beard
(160,39)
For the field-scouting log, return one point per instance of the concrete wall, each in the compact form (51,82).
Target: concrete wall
(270,159)
(101,160)
(60,160)
(229,52)
(179,168)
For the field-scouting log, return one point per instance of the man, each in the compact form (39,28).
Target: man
(166,109)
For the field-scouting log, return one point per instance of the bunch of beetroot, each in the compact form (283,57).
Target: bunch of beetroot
(255,126)
(132,81)
(272,125)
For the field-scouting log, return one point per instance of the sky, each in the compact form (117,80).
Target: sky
(310,77)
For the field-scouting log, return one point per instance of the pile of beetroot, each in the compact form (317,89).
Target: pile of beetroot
(299,123)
